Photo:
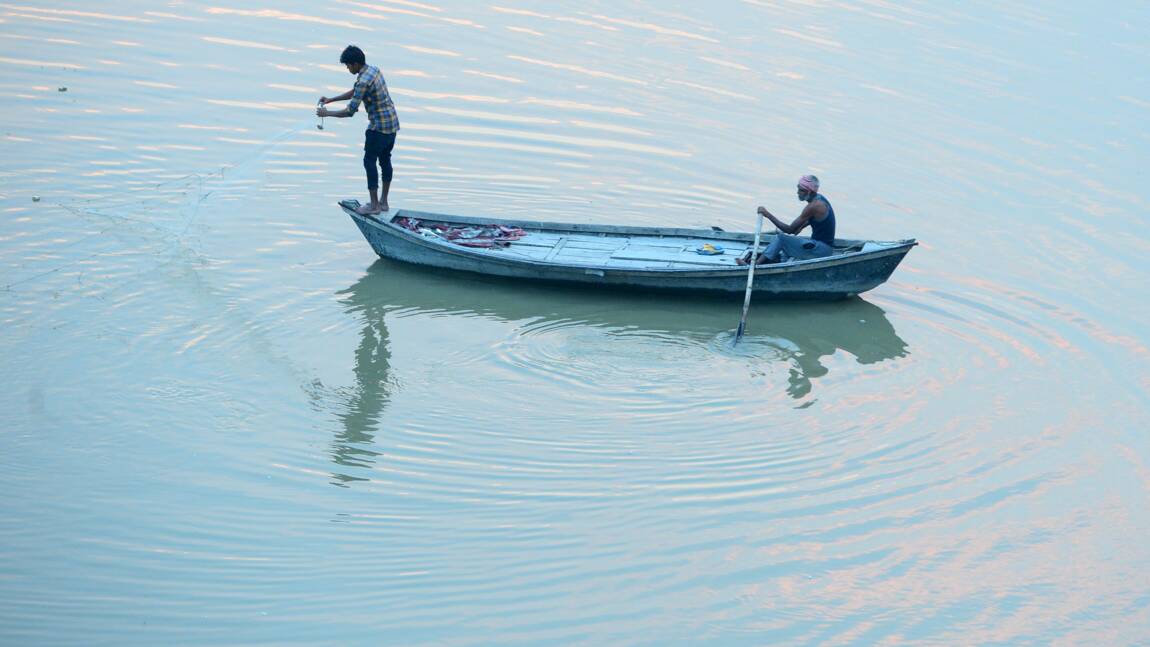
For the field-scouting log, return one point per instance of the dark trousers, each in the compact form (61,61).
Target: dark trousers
(377,148)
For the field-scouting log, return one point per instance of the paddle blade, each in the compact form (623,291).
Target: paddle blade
(739,332)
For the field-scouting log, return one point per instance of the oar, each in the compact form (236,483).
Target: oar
(750,279)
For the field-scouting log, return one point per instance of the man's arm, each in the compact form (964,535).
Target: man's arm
(343,97)
(804,219)
(324,112)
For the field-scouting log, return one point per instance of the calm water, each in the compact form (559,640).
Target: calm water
(225,422)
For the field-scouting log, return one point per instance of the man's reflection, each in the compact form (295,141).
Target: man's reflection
(365,401)
(856,326)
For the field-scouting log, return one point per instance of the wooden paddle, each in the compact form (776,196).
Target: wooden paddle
(750,279)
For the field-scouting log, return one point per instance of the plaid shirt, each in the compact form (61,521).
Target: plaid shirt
(371,89)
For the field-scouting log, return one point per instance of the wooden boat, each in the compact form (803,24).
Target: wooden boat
(647,258)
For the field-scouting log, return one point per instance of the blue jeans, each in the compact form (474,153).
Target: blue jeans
(377,148)
(797,247)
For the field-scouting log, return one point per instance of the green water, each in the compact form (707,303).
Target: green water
(224,421)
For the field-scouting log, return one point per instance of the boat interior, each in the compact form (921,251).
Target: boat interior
(622,250)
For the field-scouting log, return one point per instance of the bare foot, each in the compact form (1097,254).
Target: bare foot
(367,209)
(761,260)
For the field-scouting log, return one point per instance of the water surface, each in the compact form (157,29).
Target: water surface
(226,422)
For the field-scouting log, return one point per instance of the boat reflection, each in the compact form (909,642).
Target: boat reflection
(802,334)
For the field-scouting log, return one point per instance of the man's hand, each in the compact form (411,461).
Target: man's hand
(322,112)
(324,101)
(779,224)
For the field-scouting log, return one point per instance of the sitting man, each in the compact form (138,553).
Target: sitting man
(818,214)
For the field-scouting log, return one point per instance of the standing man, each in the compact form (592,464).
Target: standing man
(818,214)
(383,123)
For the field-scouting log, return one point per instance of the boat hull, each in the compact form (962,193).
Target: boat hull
(834,277)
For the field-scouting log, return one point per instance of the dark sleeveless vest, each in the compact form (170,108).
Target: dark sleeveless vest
(824,230)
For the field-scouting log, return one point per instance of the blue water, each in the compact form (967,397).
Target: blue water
(224,421)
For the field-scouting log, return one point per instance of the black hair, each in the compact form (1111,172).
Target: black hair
(352,54)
